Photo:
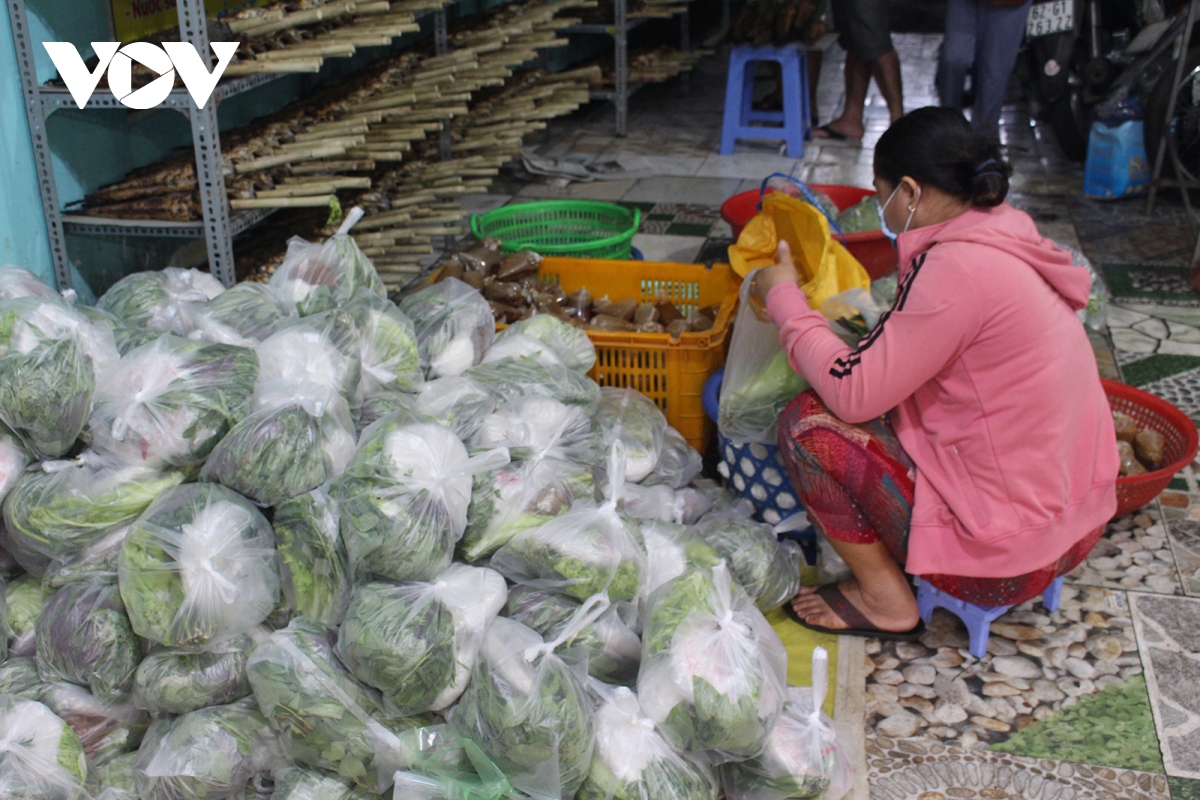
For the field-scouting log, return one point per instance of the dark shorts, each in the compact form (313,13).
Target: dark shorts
(863,27)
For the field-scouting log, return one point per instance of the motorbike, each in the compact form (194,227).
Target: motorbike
(1086,57)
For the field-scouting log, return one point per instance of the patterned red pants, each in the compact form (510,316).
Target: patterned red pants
(857,484)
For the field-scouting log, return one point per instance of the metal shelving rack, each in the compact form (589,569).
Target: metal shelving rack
(619,30)
(218,226)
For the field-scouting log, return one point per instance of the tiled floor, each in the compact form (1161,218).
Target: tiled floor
(1099,699)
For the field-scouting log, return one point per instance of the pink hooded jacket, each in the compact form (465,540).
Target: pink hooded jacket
(992,388)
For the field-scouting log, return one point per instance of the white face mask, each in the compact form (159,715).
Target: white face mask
(883,226)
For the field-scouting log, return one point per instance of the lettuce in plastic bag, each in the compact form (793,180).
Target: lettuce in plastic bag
(539,427)
(321,354)
(387,345)
(632,761)
(511,378)
(454,325)
(163,300)
(459,403)
(209,754)
(198,567)
(529,711)
(318,277)
(84,637)
(768,569)
(243,315)
(54,513)
(177,681)
(570,345)
(327,718)
(404,498)
(417,642)
(19,676)
(299,783)
(631,418)
(860,218)
(50,355)
(44,759)
(804,758)
(313,564)
(713,673)
(678,465)
(13,460)
(17,282)
(106,731)
(24,597)
(171,401)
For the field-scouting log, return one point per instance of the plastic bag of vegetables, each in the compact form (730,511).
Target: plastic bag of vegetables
(459,403)
(326,717)
(243,315)
(198,567)
(454,325)
(768,569)
(632,761)
(177,681)
(106,731)
(759,381)
(528,710)
(520,497)
(209,754)
(19,676)
(84,637)
(115,779)
(24,597)
(13,460)
(17,282)
(671,550)
(299,783)
(404,498)
(631,418)
(313,564)
(511,378)
(387,345)
(612,649)
(55,512)
(163,300)
(539,427)
(417,642)
(523,347)
(50,355)
(318,277)
(43,759)
(678,465)
(475,776)
(320,353)
(381,405)
(97,560)
(171,401)
(804,758)
(300,436)
(588,550)
(713,671)
(570,345)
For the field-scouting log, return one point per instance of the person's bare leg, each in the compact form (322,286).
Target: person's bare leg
(850,123)
(814,79)
(886,71)
(878,589)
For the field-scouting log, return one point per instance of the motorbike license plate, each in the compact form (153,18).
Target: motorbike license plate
(1047,18)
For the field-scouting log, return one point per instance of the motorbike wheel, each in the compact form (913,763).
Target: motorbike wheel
(1064,120)
(1185,125)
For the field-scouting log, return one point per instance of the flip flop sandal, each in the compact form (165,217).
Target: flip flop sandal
(856,623)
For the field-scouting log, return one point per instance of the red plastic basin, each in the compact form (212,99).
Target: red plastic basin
(872,249)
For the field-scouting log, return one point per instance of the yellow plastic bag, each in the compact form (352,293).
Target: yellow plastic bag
(826,268)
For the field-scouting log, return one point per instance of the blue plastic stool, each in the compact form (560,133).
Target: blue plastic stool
(795,118)
(978,619)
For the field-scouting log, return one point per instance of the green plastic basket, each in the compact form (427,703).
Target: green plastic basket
(579,228)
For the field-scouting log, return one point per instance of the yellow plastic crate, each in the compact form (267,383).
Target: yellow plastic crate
(671,372)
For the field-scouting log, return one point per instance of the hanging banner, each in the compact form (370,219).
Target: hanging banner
(137,19)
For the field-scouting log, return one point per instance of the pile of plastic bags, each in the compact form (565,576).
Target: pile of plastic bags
(297,542)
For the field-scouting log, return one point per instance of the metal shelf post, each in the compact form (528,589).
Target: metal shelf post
(41,144)
(621,57)
(206,141)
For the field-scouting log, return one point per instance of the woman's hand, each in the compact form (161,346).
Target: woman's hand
(783,271)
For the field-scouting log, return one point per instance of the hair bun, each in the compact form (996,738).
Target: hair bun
(989,182)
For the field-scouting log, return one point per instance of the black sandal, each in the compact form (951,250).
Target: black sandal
(856,623)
